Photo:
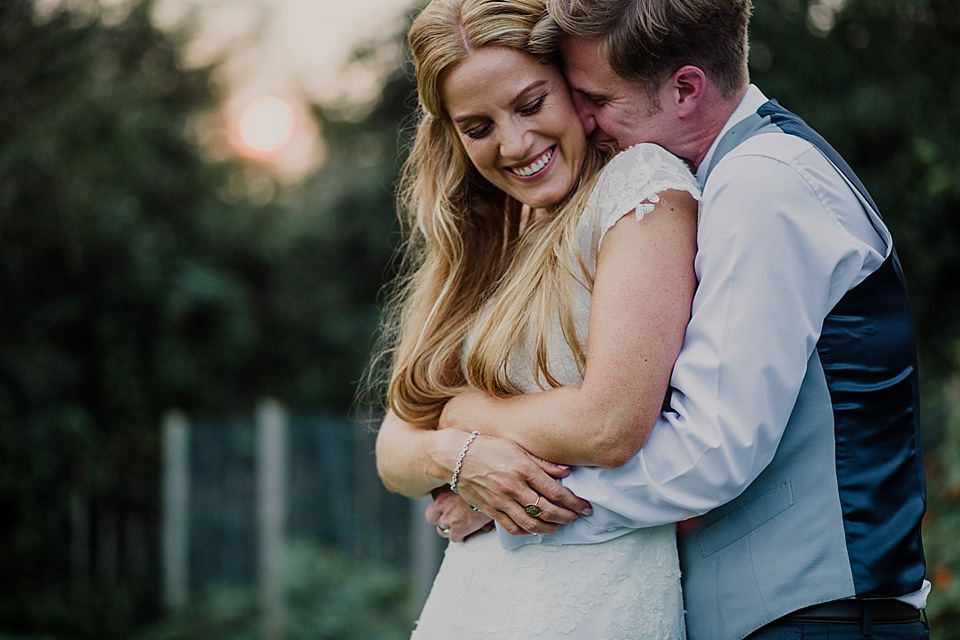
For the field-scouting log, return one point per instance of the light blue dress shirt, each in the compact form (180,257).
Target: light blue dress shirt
(756,319)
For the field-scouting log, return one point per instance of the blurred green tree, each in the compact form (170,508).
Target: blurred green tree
(342,242)
(136,275)
(870,76)
(116,304)
(326,598)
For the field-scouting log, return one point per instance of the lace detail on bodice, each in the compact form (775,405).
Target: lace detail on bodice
(631,181)
(634,179)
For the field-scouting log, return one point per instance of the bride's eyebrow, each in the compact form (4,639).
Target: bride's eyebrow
(530,88)
(521,96)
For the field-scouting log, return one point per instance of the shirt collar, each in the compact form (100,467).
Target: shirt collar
(749,104)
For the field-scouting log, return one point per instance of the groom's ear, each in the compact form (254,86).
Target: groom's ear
(689,85)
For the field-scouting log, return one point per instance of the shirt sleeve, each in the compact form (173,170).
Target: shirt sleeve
(773,259)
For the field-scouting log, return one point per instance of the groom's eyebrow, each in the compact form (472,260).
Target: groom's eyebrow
(586,94)
(590,96)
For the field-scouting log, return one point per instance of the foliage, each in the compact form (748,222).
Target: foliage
(325,598)
(867,74)
(353,193)
(98,187)
(943,514)
(137,275)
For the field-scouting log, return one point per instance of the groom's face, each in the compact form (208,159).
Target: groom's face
(611,109)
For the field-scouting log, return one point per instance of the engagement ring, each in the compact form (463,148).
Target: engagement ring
(533,510)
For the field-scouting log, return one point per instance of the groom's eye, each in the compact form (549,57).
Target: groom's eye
(592,98)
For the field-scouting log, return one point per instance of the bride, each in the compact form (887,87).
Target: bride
(546,291)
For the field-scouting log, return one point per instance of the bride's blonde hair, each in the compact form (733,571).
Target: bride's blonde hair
(463,247)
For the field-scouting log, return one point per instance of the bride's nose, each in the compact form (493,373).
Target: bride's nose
(515,141)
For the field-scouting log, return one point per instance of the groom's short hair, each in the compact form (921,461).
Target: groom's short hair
(645,41)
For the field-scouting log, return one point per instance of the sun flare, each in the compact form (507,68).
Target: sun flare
(266,125)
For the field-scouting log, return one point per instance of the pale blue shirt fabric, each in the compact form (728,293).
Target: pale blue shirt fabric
(756,319)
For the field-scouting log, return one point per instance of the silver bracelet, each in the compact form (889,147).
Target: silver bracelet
(463,453)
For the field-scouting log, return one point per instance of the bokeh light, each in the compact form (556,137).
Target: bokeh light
(266,126)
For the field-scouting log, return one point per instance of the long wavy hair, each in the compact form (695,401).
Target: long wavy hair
(466,263)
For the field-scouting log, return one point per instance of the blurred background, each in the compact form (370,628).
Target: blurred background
(196,218)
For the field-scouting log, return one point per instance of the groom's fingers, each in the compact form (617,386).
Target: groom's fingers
(456,519)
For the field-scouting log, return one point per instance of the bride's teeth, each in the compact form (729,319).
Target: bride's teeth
(536,166)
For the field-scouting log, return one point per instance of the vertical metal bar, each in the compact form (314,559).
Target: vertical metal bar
(176,509)
(271,456)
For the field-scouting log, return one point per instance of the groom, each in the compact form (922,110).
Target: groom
(792,430)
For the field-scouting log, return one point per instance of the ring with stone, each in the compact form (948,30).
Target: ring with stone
(443,529)
(533,510)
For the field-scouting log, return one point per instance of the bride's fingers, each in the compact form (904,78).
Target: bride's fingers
(561,497)
(517,523)
(552,469)
(510,515)
(548,512)
(500,478)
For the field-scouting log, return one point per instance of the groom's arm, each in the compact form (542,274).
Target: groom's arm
(772,262)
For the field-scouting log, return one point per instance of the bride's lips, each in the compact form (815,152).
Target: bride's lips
(535,167)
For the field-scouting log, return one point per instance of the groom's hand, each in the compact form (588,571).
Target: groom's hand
(454,518)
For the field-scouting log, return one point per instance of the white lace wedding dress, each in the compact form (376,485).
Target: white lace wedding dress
(624,588)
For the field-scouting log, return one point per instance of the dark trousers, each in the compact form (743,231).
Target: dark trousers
(798,630)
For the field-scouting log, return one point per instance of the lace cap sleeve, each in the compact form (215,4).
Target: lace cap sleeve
(633,180)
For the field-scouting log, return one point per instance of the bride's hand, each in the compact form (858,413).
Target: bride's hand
(555,470)
(501,479)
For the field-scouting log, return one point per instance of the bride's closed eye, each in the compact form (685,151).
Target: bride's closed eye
(532,107)
(478,131)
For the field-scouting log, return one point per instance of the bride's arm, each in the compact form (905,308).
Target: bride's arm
(413,460)
(640,306)
(496,475)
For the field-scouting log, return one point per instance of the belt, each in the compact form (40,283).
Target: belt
(877,611)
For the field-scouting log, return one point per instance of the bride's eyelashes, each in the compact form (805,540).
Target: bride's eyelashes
(532,107)
(478,131)
(529,109)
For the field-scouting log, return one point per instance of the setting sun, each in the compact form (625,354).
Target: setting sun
(266,125)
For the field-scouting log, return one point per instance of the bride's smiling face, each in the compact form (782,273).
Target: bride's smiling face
(517,123)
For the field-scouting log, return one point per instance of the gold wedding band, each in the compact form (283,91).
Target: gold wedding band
(533,510)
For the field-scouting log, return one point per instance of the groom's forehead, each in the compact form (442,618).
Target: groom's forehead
(586,67)
(584,52)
